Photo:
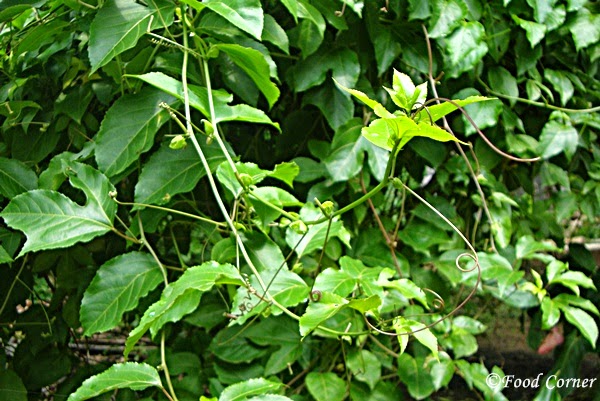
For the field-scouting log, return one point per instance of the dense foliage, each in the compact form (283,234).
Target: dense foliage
(256,200)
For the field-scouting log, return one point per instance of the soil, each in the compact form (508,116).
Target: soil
(504,344)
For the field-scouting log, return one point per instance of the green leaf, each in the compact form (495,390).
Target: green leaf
(274,33)
(437,111)
(447,15)
(15,178)
(541,9)
(325,386)
(244,14)
(584,323)
(253,63)
(557,137)
(365,367)
(318,312)
(198,98)
(561,83)
(573,300)
(131,375)
(128,129)
(51,220)
(412,373)
(463,343)
(315,237)
(527,247)
(573,279)
(286,172)
(312,28)
(585,28)
(469,324)
(336,106)
(241,391)
(11,386)
(117,27)
(550,313)
(502,81)
(379,110)
(385,45)
(465,48)
(483,114)
(335,281)
(170,172)
(182,297)
(342,62)
(117,287)
(535,32)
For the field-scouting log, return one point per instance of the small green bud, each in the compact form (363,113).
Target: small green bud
(299,227)
(239,226)
(327,208)
(178,142)
(208,127)
(397,183)
(246,180)
(284,222)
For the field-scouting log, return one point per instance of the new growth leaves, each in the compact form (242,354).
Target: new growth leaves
(413,119)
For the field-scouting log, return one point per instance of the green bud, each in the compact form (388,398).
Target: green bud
(397,183)
(284,222)
(327,208)
(246,180)
(208,127)
(299,227)
(178,142)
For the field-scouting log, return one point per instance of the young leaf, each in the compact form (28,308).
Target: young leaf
(437,111)
(377,107)
(182,297)
(117,27)
(318,312)
(128,129)
(241,391)
(16,178)
(51,220)
(131,375)
(325,386)
(117,287)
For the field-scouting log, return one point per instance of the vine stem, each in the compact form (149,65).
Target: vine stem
(209,175)
(432,82)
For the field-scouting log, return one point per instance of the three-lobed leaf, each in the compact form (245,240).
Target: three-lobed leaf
(51,220)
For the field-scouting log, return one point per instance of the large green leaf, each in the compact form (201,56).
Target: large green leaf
(246,15)
(447,15)
(241,391)
(325,386)
(131,375)
(342,62)
(336,106)
(583,321)
(412,372)
(11,386)
(117,287)
(365,366)
(117,27)
(558,136)
(128,129)
(318,312)
(15,178)
(198,98)
(465,47)
(253,63)
(173,171)
(182,297)
(51,220)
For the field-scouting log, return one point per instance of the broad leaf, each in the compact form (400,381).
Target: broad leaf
(182,297)
(117,287)
(437,111)
(365,366)
(253,63)
(128,129)
(247,15)
(583,321)
(535,32)
(170,172)
(131,375)
(501,80)
(325,386)
(241,391)
(117,27)
(342,62)
(318,312)
(557,137)
(51,220)
(198,98)
(11,386)
(447,15)
(465,48)
(412,373)
(15,178)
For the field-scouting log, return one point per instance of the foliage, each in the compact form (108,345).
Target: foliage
(276,200)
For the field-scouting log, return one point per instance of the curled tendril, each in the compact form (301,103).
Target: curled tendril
(438,301)
(315,295)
